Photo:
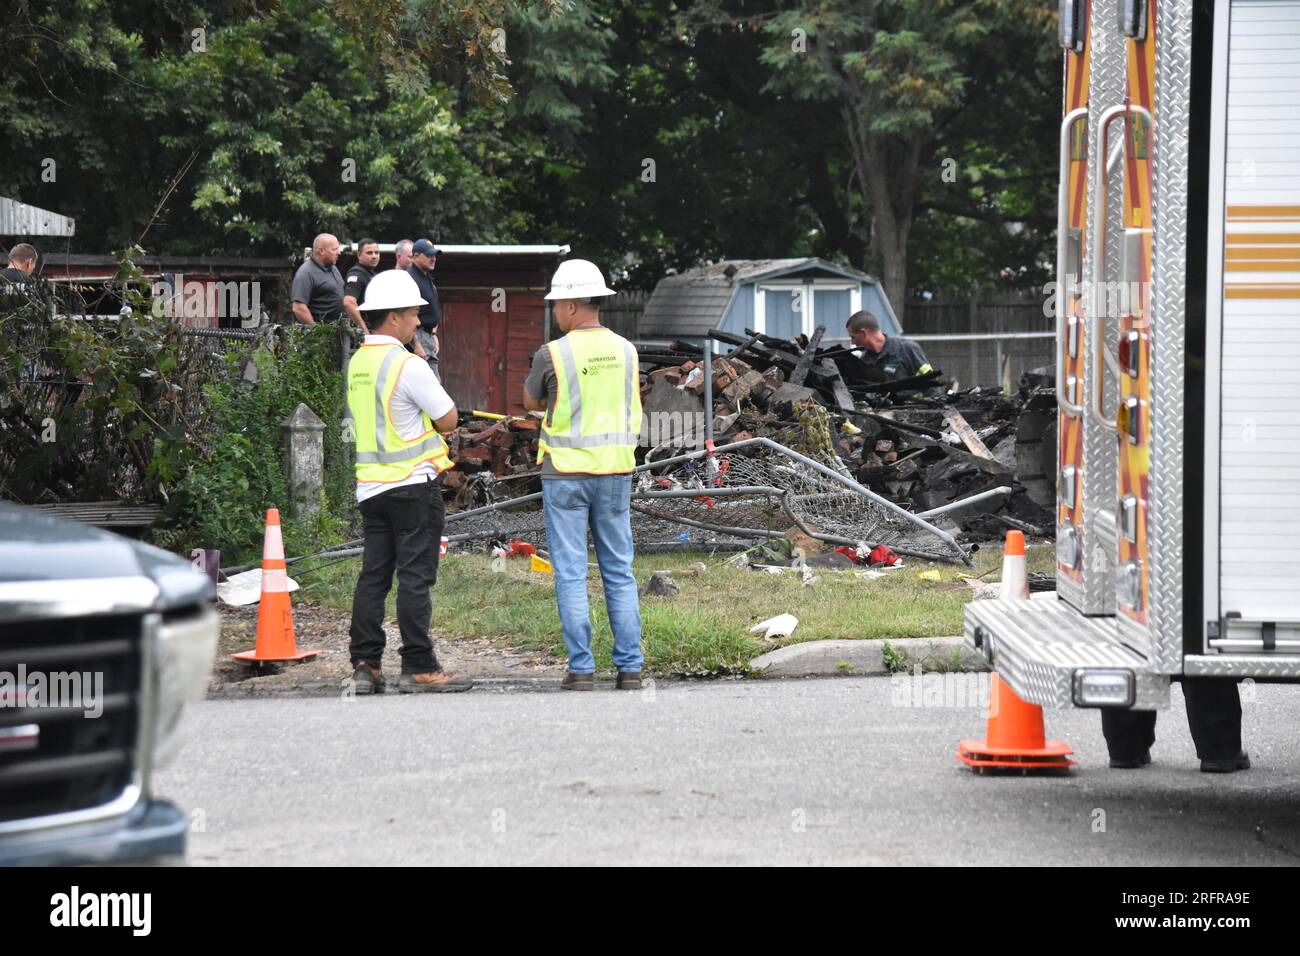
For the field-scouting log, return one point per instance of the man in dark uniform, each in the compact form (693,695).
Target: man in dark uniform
(21,268)
(894,356)
(424,257)
(19,283)
(359,276)
(1213,715)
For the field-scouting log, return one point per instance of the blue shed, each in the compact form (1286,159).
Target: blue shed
(779,297)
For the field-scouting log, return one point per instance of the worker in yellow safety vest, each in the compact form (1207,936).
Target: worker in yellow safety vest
(397,411)
(588,384)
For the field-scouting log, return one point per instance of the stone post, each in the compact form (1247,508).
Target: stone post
(304,460)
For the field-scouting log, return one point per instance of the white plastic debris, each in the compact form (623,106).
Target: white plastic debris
(243,589)
(782,625)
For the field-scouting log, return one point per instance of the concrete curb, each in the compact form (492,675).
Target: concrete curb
(859,657)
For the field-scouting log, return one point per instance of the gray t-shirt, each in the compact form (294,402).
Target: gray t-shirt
(320,288)
(541,384)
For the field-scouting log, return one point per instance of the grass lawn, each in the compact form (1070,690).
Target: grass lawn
(705,629)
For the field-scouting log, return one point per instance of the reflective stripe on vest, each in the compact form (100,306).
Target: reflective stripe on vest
(382,454)
(591,401)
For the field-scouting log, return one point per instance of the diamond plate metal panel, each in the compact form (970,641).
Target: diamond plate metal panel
(1169,341)
(1069,591)
(1242,665)
(1100,482)
(1138,637)
(1036,646)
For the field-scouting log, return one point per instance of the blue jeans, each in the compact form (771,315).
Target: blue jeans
(603,505)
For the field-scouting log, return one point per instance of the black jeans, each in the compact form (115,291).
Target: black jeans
(403,528)
(1213,716)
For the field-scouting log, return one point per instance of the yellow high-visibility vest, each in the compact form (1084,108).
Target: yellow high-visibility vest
(382,454)
(596,420)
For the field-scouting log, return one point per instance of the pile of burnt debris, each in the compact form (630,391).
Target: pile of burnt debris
(910,441)
(495,457)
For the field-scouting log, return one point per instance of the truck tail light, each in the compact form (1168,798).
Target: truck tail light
(1103,687)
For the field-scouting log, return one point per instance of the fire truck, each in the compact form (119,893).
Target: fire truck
(1177,360)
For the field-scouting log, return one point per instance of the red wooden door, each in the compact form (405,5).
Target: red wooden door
(473,356)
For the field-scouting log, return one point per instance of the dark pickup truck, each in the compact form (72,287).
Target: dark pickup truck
(102,642)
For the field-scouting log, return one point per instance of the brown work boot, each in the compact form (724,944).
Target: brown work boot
(574,681)
(433,682)
(367,679)
(628,680)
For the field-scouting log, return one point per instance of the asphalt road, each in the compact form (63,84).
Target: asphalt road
(747,772)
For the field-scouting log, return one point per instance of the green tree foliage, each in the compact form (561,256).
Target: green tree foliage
(236,126)
(233,126)
(901,73)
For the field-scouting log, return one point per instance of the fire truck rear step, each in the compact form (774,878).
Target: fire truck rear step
(1043,646)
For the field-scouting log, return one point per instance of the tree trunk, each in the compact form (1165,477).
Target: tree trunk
(887,167)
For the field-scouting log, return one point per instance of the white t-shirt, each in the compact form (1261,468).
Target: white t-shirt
(418,389)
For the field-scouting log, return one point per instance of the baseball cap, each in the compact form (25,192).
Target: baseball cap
(424,246)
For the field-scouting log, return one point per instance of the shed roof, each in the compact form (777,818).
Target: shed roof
(694,301)
(20,219)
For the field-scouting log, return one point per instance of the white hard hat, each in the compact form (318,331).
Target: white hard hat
(578,279)
(392,289)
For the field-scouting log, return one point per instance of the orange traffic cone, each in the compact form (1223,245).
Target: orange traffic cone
(1016,739)
(275,640)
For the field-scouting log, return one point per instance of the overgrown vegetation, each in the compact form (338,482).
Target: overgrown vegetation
(92,411)
(131,410)
(238,472)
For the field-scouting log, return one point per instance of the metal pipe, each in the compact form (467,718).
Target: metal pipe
(1096,325)
(1063,285)
(979,336)
(711,492)
(954,505)
(708,391)
(509,503)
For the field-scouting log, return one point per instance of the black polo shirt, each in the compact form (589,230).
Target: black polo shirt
(320,288)
(355,285)
(431,314)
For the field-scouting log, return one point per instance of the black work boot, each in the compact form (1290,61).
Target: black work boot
(367,679)
(1226,764)
(1130,763)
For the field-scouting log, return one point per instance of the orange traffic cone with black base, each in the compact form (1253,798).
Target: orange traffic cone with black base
(275,640)
(1016,739)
